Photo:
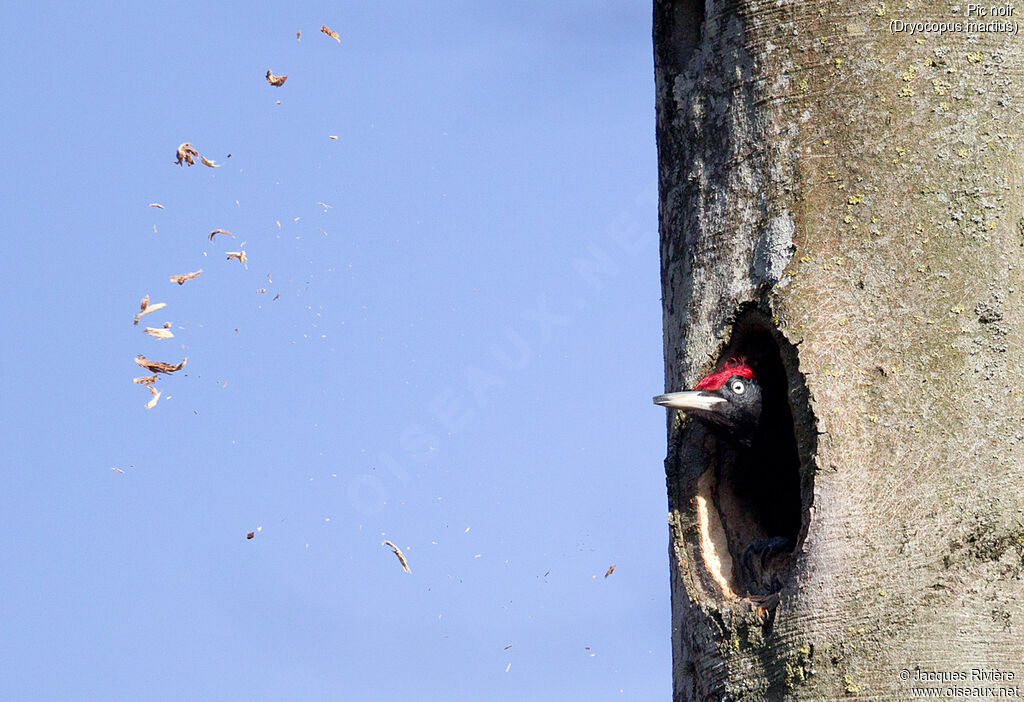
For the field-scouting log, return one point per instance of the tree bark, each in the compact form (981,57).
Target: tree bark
(845,200)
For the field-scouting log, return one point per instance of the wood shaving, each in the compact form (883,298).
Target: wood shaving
(331,33)
(147,308)
(156,397)
(159,333)
(399,554)
(276,81)
(298,35)
(331,136)
(208,162)
(220,231)
(118,470)
(159,366)
(611,569)
(186,154)
(250,534)
(156,204)
(240,255)
(180,279)
(144,380)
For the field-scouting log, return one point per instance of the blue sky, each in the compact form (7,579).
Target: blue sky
(460,361)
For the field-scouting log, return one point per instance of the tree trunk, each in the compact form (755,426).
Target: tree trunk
(842,203)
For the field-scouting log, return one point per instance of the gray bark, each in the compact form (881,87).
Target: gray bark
(854,194)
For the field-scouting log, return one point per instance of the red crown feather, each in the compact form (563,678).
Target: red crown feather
(734,366)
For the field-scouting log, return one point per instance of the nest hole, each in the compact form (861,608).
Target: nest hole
(756,498)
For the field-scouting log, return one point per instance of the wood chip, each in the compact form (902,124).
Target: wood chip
(208,162)
(240,255)
(331,33)
(507,647)
(399,554)
(147,308)
(180,279)
(118,470)
(331,136)
(159,366)
(156,397)
(611,569)
(186,154)
(298,35)
(144,380)
(159,333)
(220,231)
(276,81)
(156,204)
(250,534)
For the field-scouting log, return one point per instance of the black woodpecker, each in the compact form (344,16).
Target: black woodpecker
(735,408)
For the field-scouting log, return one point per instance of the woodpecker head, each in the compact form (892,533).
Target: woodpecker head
(728,401)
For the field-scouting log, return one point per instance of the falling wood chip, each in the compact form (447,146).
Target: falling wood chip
(324,205)
(611,569)
(208,162)
(250,534)
(180,279)
(159,366)
(240,255)
(156,204)
(276,81)
(147,308)
(277,296)
(298,35)
(144,380)
(507,647)
(159,333)
(118,470)
(331,33)
(219,231)
(401,556)
(156,397)
(331,136)
(186,154)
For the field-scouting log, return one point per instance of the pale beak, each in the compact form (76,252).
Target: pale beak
(690,400)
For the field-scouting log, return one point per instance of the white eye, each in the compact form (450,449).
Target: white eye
(738,387)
